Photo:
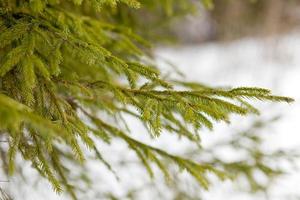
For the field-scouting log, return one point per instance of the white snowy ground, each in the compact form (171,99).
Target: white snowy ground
(270,63)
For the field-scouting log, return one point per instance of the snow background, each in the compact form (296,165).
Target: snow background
(272,63)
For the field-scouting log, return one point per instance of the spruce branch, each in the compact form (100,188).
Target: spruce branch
(64,66)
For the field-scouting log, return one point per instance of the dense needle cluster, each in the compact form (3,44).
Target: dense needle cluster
(64,64)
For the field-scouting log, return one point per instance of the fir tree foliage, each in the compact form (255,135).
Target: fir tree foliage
(63,66)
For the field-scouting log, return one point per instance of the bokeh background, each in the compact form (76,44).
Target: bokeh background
(238,43)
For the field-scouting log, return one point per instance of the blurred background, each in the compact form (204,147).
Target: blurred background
(238,43)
